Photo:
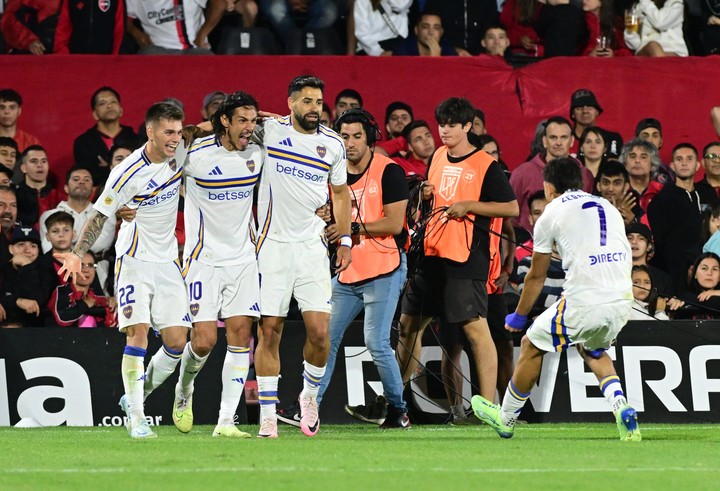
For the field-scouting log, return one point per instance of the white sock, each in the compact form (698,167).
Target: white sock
(234,376)
(613,392)
(132,369)
(267,396)
(312,376)
(161,366)
(190,366)
(512,404)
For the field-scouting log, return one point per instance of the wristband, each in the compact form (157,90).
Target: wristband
(516,321)
(345,241)
(355,228)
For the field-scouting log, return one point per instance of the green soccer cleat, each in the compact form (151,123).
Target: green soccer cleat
(230,431)
(627,423)
(182,413)
(489,413)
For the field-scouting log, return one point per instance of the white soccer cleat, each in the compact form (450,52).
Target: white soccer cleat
(309,420)
(140,429)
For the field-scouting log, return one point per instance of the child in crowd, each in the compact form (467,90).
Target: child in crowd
(711,225)
(82,304)
(60,234)
(20,293)
(647,304)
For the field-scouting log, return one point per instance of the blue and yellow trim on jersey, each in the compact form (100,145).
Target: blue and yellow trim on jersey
(142,197)
(260,238)
(331,134)
(296,158)
(227,183)
(558,329)
(132,250)
(198,246)
(132,169)
(205,142)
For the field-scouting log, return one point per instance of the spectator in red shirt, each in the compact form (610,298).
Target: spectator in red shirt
(421,144)
(10,111)
(16,24)
(604,30)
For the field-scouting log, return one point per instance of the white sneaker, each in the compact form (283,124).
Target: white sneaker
(309,420)
(268,428)
(229,430)
(141,429)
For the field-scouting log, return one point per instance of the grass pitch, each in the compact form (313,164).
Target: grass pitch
(540,456)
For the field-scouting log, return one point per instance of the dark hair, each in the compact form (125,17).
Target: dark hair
(612,168)
(479,114)
(8,189)
(455,110)
(227,108)
(708,215)
(74,169)
(684,145)
(413,125)
(536,196)
(121,144)
(360,115)
(494,25)
(526,12)
(429,11)
(598,131)
(104,88)
(10,95)
(32,148)
(299,83)
(693,284)
(352,93)
(59,217)
(556,120)
(652,298)
(163,110)
(394,106)
(6,141)
(564,174)
(705,148)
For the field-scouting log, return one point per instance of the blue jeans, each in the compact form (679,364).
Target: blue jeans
(320,14)
(379,298)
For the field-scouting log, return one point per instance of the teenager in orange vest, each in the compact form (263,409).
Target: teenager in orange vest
(466,188)
(375,278)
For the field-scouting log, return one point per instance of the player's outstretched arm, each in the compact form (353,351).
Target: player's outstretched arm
(71,261)
(341,210)
(484,208)
(534,281)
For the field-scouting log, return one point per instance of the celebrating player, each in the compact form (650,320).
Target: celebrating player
(590,237)
(148,281)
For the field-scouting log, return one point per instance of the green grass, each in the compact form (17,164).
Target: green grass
(540,456)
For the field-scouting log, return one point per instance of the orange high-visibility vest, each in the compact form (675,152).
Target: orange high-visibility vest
(372,256)
(446,237)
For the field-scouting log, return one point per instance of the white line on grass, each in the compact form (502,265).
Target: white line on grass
(377,470)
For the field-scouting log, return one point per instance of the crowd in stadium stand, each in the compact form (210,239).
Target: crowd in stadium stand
(520,30)
(671,209)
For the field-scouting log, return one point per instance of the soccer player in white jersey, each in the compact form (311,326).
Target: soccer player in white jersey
(148,281)
(590,237)
(302,158)
(220,267)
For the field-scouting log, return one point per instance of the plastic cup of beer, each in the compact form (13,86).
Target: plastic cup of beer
(632,21)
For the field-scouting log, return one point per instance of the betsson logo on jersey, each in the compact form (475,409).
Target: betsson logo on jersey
(161,197)
(295,172)
(229,195)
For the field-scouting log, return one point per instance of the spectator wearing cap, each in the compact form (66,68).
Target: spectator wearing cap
(675,217)
(211,103)
(10,111)
(92,148)
(641,244)
(346,99)
(650,130)
(709,187)
(8,220)
(584,111)
(640,157)
(398,114)
(20,288)
(35,193)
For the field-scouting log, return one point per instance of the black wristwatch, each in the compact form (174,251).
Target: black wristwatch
(355,228)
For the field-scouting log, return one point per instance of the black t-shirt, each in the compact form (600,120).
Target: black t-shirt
(394,189)
(495,187)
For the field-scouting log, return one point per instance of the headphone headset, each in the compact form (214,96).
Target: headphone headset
(360,115)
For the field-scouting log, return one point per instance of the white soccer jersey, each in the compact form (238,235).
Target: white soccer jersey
(154,191)
(171,24)
(218,202)
(590,236)
(298,168)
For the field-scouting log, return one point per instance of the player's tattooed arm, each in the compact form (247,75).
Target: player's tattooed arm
(90,233)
